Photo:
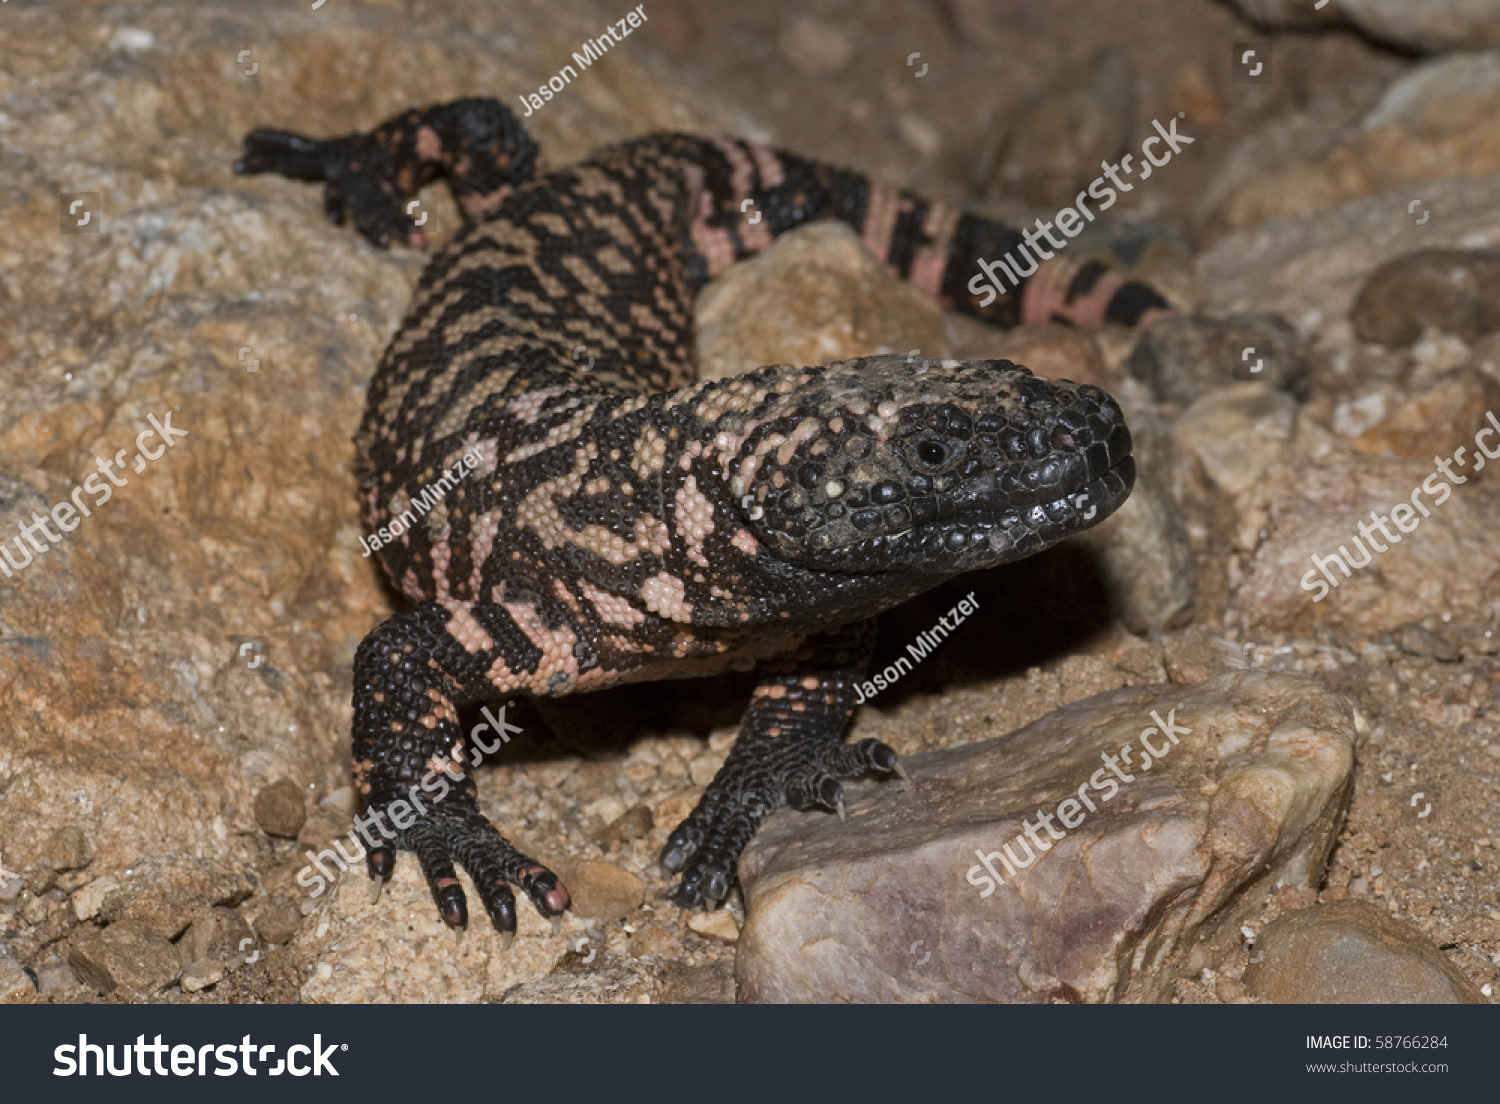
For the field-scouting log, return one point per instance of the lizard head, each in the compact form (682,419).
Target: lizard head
(884,464)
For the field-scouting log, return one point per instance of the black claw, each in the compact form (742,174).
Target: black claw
(717,888)
(830,793)
(454,909)
(550,896)
(681,846)
(500,903)
(880,755)
(381,861)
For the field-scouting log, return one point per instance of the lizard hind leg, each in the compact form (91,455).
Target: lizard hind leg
(410,759)
(790,751)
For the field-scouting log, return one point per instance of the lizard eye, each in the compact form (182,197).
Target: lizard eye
(932,454)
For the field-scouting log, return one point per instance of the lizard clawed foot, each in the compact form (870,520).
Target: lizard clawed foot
(362,180)
(477,143)
(750,786)
(452,832)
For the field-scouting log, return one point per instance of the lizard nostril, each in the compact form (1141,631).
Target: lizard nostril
(1063,439)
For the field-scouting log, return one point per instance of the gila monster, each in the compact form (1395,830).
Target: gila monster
(626,522)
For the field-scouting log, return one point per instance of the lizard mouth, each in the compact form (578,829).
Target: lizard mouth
(1007,515)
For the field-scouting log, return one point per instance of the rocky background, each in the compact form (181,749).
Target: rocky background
(174,675)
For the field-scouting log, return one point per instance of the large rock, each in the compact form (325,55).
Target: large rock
(1440,120)
(1310,268)
(1312,507)
(1427,24)
(1050,150)
(1412,24)
(895,904)
(817,295)
(1456,291)
(1353,952)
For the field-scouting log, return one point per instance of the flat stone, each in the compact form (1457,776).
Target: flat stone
(128,955)
(1353,952)
(711,983)
(618,982)
(897,904)
(280,810)
(1427,24)
(167,890)
(279,921)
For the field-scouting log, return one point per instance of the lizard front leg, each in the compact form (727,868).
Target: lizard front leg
(477,144)
(410,675)
(790,751)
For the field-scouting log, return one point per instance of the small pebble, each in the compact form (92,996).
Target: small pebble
(279,922)
(67,849)
(279,809)
(202,975)
(719,924)
(635,823)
